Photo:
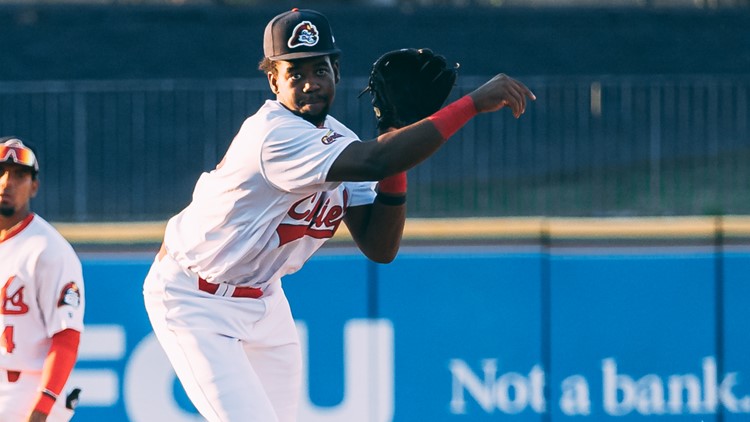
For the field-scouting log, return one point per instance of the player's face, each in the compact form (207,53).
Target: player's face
(306,87)
(17,187)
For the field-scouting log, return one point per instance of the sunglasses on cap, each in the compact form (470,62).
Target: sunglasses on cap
(15,151)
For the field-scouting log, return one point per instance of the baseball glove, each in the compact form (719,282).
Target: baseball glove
(408,85)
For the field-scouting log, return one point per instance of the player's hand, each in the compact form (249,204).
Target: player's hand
(37,416)
(502,91)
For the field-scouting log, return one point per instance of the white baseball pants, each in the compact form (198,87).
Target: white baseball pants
(17,399)
(238,359)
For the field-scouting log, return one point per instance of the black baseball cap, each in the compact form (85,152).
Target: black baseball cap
(298,33)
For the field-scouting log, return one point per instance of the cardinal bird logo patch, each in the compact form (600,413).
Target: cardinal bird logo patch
(304,34)
(70,295)
(13,303)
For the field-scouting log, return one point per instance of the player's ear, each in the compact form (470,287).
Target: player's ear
(336,71)
(273,82)
(34,186)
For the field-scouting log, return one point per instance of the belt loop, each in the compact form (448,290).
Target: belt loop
(223,290)
(13,376)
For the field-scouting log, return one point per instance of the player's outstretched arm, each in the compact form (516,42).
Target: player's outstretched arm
(499,92)
(377,228)
(402,149)
(408,88)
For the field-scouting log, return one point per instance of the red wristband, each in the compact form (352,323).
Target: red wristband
(454,116)
(393,185)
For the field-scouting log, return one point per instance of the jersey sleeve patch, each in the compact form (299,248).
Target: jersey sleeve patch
(70,295)
(330,137)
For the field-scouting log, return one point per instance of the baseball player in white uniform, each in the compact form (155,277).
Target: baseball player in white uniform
(291,175)
(41,287)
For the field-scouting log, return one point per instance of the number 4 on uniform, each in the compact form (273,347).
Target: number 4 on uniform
(6,341)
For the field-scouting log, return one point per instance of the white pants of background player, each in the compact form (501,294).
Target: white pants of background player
(17,399)
(238,359)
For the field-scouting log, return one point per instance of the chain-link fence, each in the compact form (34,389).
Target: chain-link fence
(589,146)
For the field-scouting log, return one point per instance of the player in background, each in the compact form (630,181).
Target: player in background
(291,175)
(42,299)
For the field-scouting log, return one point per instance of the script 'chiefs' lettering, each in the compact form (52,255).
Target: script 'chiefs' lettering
(312,216)
(13,303)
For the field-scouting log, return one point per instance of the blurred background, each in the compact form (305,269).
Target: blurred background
(587,261)
(642,105)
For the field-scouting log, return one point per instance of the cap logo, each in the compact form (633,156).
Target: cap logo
(304,34)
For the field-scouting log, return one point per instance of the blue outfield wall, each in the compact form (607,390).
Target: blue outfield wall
(597,335)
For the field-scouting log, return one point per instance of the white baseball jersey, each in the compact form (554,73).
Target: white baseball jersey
(41,288)
(267,207)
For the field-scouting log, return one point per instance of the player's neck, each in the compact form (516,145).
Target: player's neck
(8,225)
(316,121)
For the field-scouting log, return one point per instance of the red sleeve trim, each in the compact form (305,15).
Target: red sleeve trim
(57,367)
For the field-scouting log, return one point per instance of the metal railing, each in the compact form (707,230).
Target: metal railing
(589,146)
